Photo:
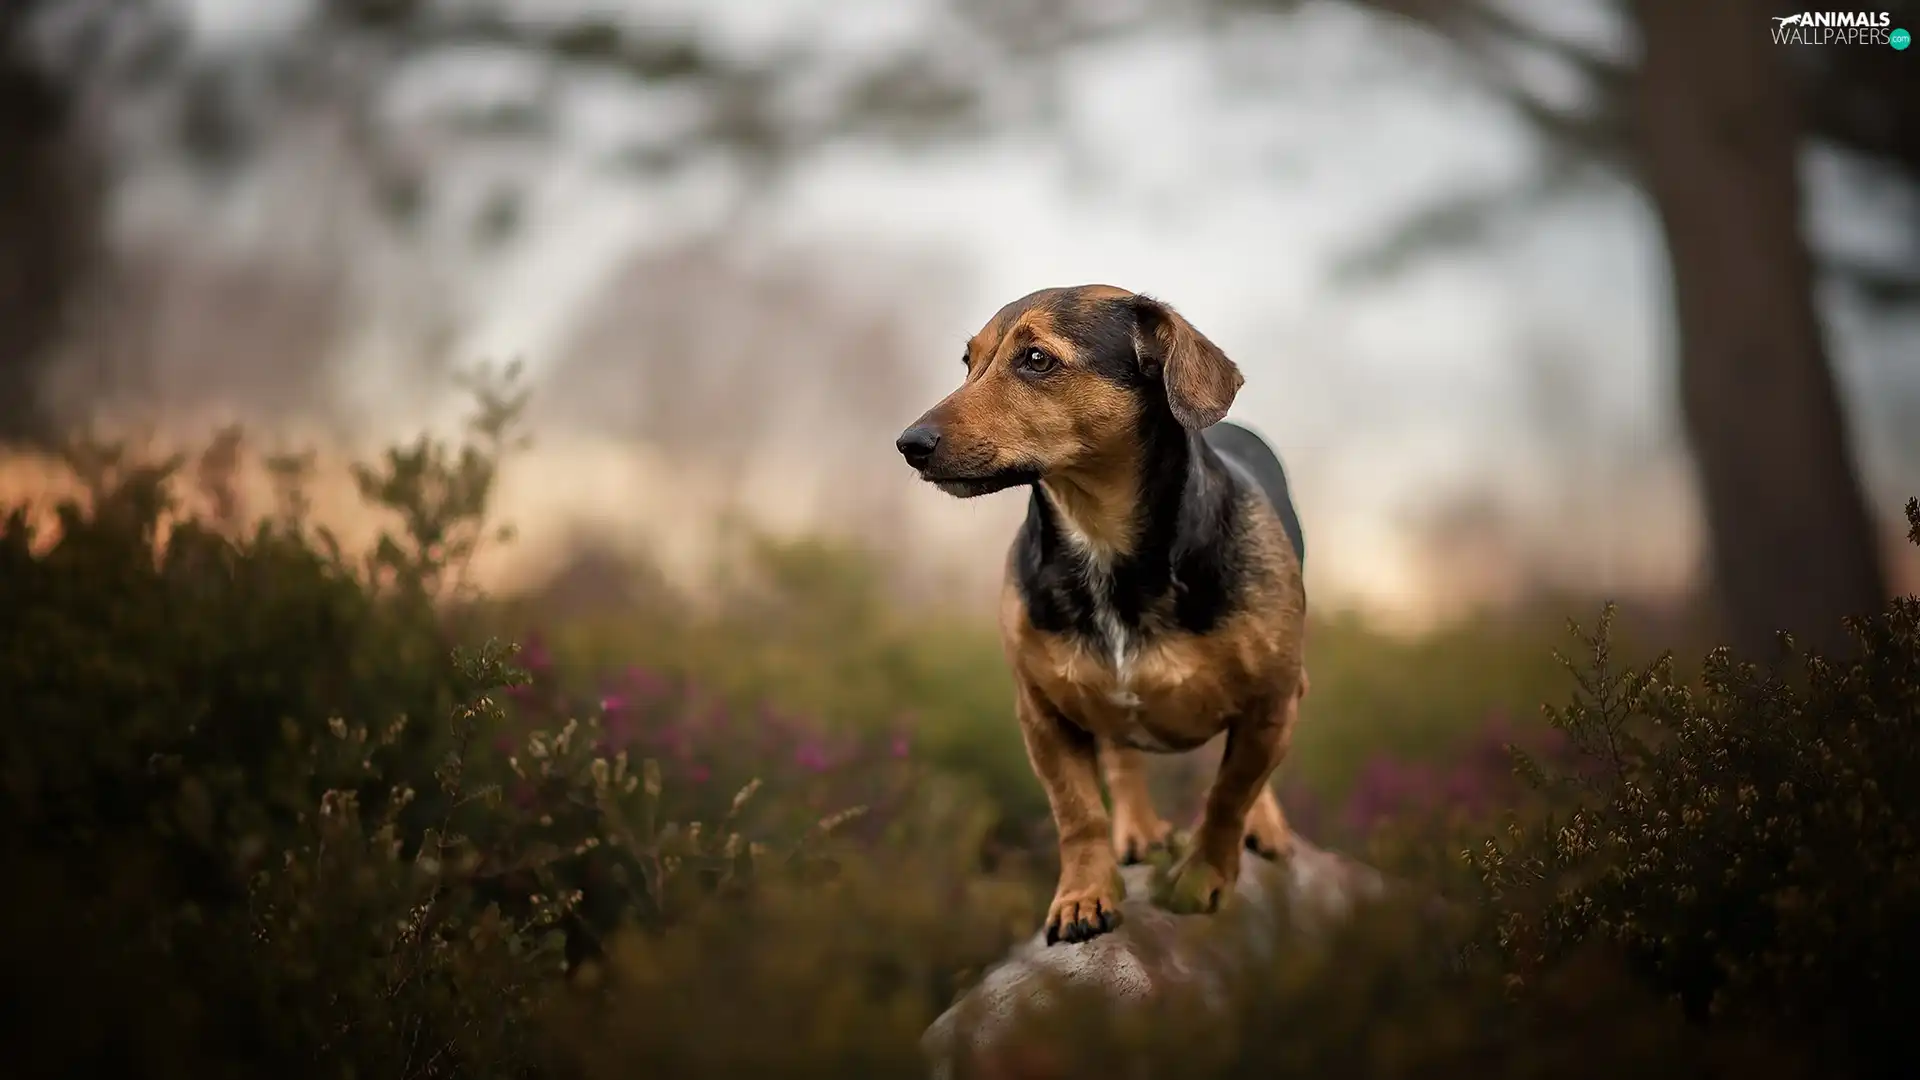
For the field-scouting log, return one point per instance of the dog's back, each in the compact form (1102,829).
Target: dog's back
(1255,460)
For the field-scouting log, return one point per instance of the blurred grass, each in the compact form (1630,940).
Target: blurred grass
(1419,697)
(803,623)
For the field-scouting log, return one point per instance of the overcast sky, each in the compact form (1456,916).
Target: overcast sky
(1232,206)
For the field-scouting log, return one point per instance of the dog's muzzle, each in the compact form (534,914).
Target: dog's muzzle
(917,445)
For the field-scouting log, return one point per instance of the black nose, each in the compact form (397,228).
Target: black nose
(916,445)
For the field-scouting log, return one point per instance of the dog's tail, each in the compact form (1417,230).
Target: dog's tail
(1245,450)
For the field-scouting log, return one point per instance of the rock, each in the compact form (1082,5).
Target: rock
(1154,954)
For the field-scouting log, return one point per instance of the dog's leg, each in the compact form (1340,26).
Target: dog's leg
(1137,827)
(1267,831)
(1206,873)
(1087,902)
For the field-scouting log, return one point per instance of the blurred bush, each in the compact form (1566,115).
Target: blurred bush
(1394,725)
(1747,843)
(265,805)
(238,825)
(797,633)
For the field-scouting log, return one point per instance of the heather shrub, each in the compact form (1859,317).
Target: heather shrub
(1745,842)
(798,627)
(1466,787)
(708,747)
(795,632)
(1387,710)
(253,801)
(235,804)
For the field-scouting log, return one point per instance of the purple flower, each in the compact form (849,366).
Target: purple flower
(671,739)
(1387,787)
(1466,787)
(645,683)
(534,655)
(619,728)
(900,749)
(773,726)
(812,756)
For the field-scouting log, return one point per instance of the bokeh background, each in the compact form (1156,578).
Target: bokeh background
(1474,256)
(371,706)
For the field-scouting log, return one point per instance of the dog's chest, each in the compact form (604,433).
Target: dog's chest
(1155,691)
(1118,676)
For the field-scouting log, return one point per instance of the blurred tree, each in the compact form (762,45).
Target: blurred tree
(1695,107)
(49,210)
(1705,115)
(158,95)
(1701,112)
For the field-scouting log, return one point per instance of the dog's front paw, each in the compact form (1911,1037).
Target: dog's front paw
(1196,886)
(1084,914)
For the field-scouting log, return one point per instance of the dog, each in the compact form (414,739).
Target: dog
(1153,597)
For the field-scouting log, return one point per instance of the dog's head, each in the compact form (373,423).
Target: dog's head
(1063,380)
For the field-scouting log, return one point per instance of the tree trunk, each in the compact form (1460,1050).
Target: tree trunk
(50,210)
(1791,544)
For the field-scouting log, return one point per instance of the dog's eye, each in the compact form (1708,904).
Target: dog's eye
(1037,361)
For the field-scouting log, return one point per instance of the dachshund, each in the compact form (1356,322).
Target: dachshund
(1153,596)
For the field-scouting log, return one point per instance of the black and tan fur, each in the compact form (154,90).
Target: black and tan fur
(1153,597)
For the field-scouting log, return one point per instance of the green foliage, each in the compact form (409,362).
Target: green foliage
(808,976)
(1421,696)
(243,794)
(440,496)
(234,775)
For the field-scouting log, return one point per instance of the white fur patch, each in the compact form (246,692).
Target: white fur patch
(1116,650)
(1096,569)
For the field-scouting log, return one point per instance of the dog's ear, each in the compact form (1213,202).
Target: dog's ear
(1200,380)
